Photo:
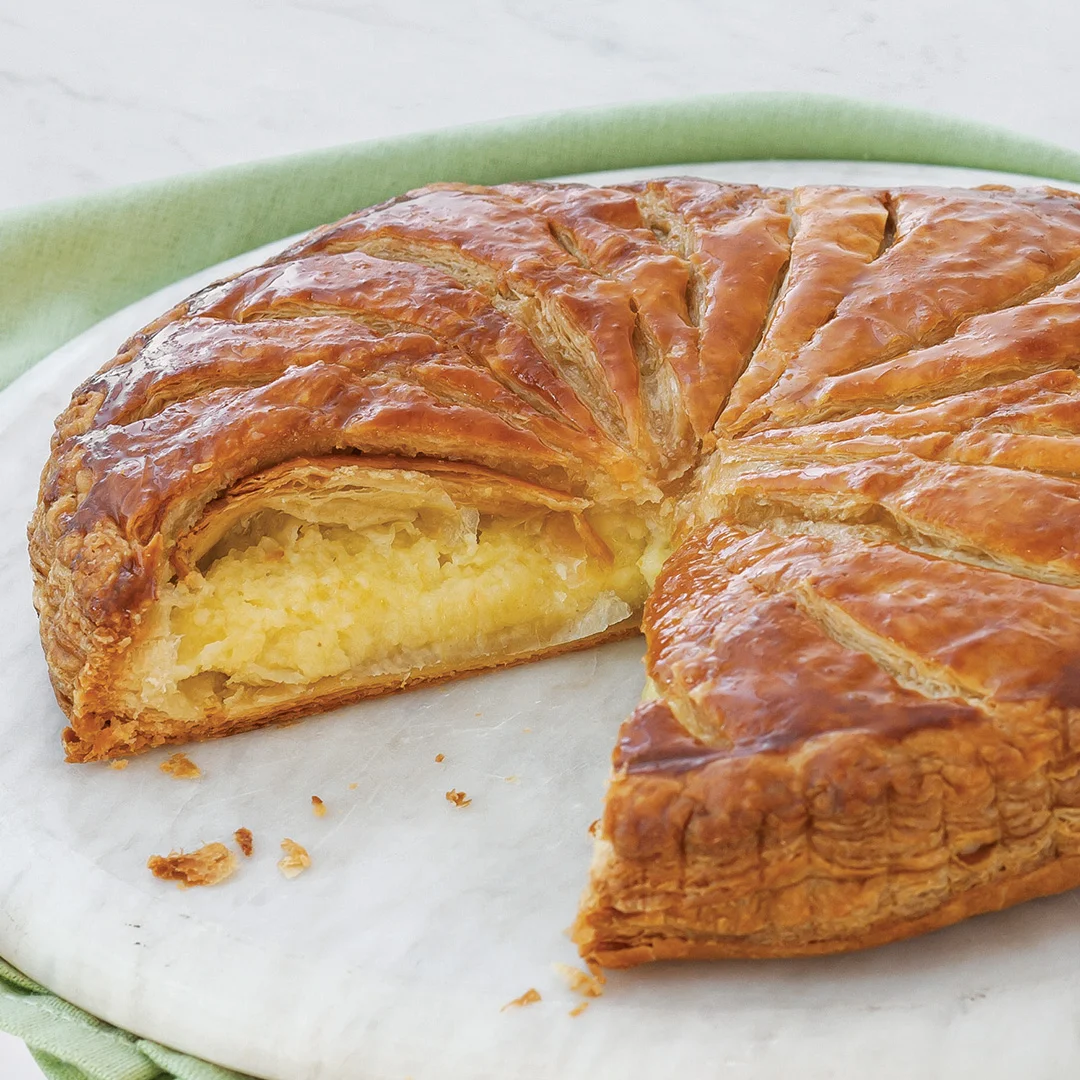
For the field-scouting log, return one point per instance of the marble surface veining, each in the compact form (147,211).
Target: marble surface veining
(98,95)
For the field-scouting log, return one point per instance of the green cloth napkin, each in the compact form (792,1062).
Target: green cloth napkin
(65,265)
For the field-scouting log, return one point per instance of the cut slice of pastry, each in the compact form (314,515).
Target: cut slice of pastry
(466,427)
(322,578)
(326,579)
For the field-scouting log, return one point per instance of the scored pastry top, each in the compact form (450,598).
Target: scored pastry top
(886,372)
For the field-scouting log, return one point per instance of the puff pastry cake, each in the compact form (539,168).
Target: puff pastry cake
(821,445)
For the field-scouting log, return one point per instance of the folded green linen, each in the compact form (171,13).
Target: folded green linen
(66,265)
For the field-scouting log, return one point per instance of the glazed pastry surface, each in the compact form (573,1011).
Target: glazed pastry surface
(467,427)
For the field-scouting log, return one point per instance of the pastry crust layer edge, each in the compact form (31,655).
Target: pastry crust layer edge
(1059,875)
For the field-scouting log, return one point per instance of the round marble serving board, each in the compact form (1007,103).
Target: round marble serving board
(393,955)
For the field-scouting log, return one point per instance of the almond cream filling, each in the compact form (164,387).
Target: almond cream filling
(283,603)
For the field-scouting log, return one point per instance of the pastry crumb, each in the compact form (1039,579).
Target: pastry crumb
(440,757)
(295,860)
(594,827)
(211,864)
(577,1010)
(119,763)
(458,798)
(510,779)
(526,730)
(318,807)
(353,787)
(244,841)
(528,998)
(587,983)
(181,766)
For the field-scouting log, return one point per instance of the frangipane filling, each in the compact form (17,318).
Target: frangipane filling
(280,602)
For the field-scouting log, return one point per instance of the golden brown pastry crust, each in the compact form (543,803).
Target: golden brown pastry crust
(861,411)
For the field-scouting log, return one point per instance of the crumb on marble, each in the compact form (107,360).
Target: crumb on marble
(510,779)
(458,798)
(295,860)
(119,763)
(211,864)
(594,826)
(587,983)
(530,997)
(244,841)
(353,787)
(181,766)
(577,1010)
(318,807)
(440,757)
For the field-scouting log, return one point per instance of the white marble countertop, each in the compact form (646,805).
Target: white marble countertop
(137,90)
(92,97)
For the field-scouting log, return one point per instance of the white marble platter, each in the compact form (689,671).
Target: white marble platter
(392,955)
